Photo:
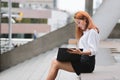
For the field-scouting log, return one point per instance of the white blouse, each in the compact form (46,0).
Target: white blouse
(89,41)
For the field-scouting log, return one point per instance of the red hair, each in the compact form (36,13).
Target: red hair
(86,17)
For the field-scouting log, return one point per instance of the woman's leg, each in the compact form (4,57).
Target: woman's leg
(55,66)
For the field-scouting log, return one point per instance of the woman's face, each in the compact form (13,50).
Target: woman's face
(81,24)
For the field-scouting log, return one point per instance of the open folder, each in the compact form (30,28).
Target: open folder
(64,56)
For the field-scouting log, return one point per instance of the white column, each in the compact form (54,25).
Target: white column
(10,24)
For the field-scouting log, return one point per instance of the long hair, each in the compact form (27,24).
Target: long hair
(90,25)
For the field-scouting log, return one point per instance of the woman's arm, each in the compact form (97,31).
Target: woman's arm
(78,51)
(72,41)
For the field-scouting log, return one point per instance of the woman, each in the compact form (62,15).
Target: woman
(87,38)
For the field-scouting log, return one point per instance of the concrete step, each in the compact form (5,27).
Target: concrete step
(37,69)
(32,69)
(103,73)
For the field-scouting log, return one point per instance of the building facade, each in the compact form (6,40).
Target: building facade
(28,21)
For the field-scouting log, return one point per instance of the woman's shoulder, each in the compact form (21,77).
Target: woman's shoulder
(93,31)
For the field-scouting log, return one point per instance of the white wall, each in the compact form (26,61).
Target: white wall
(58,19)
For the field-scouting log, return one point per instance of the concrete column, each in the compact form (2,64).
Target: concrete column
(89,6)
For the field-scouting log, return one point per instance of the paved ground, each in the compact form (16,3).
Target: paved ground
(107,67)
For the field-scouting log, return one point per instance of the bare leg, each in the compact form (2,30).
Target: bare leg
(55,66)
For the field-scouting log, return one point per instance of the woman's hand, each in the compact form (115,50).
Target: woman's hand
(75,51)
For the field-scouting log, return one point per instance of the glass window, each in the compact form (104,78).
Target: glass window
(4,35)
(16,5)
(5,20)
(27,35)
(26,20)
(4,4)
(33,20)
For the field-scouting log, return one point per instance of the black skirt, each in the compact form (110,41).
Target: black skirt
(84,66)
(80,63)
